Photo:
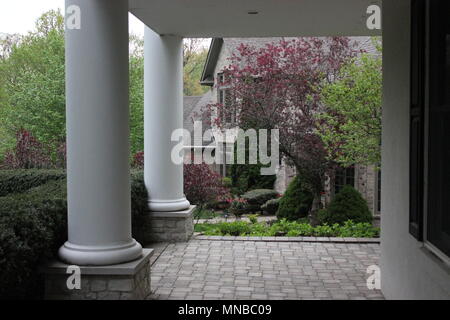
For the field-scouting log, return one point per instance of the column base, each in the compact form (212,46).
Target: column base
(168,205)
(100,255)
(127,281)
(176,226)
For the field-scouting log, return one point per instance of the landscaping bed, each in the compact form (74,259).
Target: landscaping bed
(287,228)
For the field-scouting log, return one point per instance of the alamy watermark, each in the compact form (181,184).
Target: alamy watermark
(256,143)
(374,280)
(74,280)
(73,17)
(373,21)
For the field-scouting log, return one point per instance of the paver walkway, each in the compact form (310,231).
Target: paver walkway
(202,269)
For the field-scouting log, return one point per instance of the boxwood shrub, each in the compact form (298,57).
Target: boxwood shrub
(256,198)
(348,204)
(33,225)
(296,201)
(271,206)
(16,181)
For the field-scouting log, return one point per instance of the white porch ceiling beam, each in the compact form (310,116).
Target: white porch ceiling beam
(274,18)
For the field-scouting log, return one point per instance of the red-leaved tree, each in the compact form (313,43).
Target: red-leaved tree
(202,185)
(27,154)
(278,87)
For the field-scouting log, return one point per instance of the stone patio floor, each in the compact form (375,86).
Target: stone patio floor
(213,270)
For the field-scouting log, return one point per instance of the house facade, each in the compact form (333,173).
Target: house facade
(365,178)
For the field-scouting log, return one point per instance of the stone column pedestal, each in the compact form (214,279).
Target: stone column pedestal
(126,281)
(176,226)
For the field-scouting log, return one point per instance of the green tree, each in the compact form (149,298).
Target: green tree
(32,84)
(194,57)
(136,94)
(350,127)
(296,201)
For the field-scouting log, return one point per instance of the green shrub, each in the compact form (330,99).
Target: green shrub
(253,218)
(202,213)
(204,227)
(235,228)
(227,182)
(238,206)
(246,177)
(139,194)
(296,201)
(288,228)
(256,198)
(348,204)
(16,181)
(33,225)
(32,228)
(271,206)
(359,230)
(139,204)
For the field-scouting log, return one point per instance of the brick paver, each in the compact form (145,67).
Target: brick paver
(201,269)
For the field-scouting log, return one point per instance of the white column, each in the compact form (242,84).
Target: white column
(99,207)
(163,113)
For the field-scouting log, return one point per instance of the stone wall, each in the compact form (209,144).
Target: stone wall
(285,174)
(365,182)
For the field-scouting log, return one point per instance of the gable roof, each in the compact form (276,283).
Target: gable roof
(231,44)
(207,78)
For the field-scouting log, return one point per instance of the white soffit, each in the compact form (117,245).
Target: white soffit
(274,18)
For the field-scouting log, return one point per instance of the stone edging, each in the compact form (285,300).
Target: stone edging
(288,239)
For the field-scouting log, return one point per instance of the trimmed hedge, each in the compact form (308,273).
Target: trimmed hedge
(258,197)
(296,202)
(348,204)
(271,206)
(16,181)
(139,205)
(33,225)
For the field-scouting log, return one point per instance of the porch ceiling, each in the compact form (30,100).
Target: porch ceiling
(231,18)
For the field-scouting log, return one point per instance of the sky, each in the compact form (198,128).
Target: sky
(19,16)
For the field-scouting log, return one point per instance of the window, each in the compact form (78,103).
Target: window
(438,141)
(417,119)
(430,125)
(225,99)
(344,176)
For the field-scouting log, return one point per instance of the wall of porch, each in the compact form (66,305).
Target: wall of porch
(408,270)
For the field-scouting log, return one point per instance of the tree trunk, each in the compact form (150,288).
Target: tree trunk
(316,206)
